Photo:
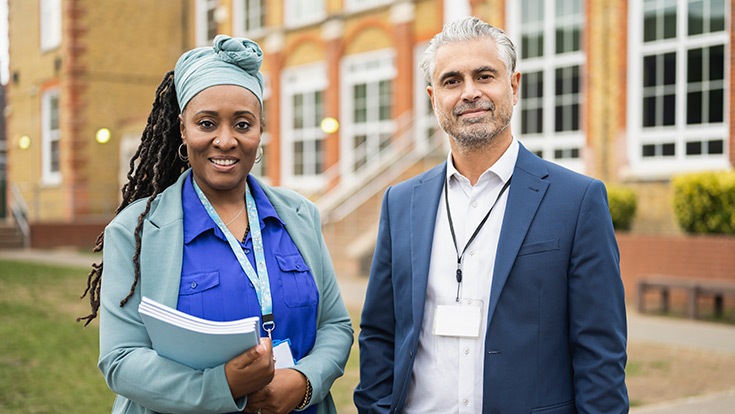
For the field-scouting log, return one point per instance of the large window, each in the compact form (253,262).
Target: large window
(206,21)
(249,16)
(50,136)
(50,24)
(367,96)
(551,59)
(678,85)
(303,143)
(302,12)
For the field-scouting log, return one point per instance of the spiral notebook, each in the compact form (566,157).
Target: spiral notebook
(193,341)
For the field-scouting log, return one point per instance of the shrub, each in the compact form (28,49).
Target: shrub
(622,202)
(705,202)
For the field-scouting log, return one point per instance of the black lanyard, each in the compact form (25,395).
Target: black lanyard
(477,230)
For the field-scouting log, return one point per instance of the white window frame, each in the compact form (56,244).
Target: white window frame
(50,22)
(371,67)
(303,12)
(202,8)
(259,168)
(680,133)
(240,16)
(49,137)
(304,79)
(360,5)
(425,124)
(549,141)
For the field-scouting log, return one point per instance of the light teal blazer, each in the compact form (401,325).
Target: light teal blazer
(148,383)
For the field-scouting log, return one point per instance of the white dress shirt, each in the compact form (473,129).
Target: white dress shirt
(448,371)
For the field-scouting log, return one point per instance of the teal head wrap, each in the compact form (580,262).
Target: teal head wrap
(231,61)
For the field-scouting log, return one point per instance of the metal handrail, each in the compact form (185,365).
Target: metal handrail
(19,210)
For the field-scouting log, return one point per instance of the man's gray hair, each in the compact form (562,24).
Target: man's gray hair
(463,30)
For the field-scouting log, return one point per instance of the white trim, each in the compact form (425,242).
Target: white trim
(49,137)
(424,118)
(239,15)
(201,8)
(308,80)
(680,133)
(549,141)
(362,5)
(299,13)
(365,68)
(50,24)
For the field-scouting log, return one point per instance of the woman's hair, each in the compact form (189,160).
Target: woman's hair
(464,30)
(155,166)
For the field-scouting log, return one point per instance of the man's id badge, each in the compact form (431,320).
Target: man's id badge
(282,354)
(458,319)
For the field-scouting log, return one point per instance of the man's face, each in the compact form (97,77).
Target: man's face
(472,94)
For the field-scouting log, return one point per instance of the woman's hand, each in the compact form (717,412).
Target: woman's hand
(281,396)
(252,370)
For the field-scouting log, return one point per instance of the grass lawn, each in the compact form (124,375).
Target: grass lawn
(48,362)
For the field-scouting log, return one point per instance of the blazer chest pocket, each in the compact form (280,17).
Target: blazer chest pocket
(297,284)
(539,247)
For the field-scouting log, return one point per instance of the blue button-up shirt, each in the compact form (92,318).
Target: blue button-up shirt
(214,286)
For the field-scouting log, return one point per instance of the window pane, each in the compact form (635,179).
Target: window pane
(670,69)
(694,108)
(694,65)
(669,150)
(717,15)
(670,22)
(716,106)
(298,158)
(319,156)
(384,93)
(696,17)
(715,147)
(649,111)
(318,108)
(650,26)
(649,150)
(649,71)
(360,103)
(669,109)
(298,111)
(716,62)
(694,148)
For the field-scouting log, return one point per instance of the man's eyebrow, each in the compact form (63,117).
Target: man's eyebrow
(486,69)
(448,75)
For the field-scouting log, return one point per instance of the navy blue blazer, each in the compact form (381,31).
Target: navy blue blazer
(556,330)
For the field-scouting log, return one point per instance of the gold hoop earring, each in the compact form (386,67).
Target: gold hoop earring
(182,157)
(259,157)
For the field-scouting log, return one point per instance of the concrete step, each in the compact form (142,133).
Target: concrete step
(10,236)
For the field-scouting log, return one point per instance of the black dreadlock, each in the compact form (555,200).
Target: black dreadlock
(158,166)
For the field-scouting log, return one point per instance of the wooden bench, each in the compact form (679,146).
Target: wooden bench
(693,288)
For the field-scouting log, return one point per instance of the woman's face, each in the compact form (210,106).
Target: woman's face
(220,127)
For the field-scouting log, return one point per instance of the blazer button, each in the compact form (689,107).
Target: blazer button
(193,285)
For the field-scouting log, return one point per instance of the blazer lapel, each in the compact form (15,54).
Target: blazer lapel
(424,206)
(162,246)
(526,191)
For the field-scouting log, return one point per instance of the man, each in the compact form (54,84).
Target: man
(495,285)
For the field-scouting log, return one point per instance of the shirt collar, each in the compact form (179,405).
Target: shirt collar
(503,167)
(197,221)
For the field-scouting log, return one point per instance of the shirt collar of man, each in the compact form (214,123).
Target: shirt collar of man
(503,167)
(197,221)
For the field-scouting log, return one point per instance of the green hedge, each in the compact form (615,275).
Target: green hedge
(622,202)
(705,202)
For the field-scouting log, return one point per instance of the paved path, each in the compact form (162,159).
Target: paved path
(683,333)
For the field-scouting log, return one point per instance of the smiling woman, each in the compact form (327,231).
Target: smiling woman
(214,242)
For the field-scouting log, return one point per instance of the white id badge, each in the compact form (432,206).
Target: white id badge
(459,319)
(283,356)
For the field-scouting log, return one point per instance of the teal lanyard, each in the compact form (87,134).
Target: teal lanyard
(260,279)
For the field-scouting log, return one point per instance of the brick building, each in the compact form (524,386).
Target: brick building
(630,92)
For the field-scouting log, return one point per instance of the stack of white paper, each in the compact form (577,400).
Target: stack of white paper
(196,342)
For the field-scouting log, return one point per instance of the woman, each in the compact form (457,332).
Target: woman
(214,242)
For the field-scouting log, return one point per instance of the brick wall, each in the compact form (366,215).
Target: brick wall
(701,256)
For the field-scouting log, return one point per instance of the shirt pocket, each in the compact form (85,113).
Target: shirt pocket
(198,289)
(297,284)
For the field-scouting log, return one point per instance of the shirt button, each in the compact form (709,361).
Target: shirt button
(474,204)
(466,351)
(466,401)
(193,285)
(472,252)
